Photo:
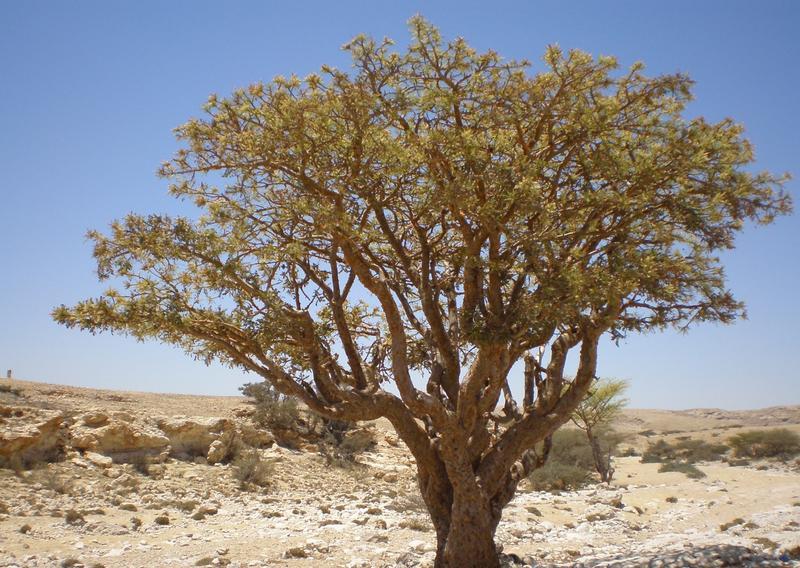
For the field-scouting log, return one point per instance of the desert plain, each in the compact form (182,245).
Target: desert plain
(100,504)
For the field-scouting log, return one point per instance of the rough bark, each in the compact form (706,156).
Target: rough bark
(601,460)
(470,539)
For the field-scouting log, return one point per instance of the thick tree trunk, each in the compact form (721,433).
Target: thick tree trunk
(468,541)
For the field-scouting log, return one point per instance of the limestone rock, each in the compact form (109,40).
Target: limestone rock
(191,437)
(95,419)
(254,436)
(98,459)
(216,452)
(122,441)
(32,435)
(359,438)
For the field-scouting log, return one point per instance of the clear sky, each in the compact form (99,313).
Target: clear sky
(89,93)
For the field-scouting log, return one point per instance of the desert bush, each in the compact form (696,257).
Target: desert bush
(682,467)
(8,389)
(421,525)
(340,444)
(140,464)
(570,464)
(698,450)
(774,443)
(684,450)
(59,484)
(273,410)
(556,476)
(657,452)
(410,502)
(73,517)
(251,469)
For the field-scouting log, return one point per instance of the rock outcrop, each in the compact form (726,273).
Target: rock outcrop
(31,435)
(122,441)
(192,437)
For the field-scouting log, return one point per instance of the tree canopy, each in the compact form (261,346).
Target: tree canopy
(427,219)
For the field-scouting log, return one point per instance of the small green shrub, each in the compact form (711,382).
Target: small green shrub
(273,410)
(682,467)
(251,469)
(569,466)
(774,443)
(685,450)
(699,450)
(657,452)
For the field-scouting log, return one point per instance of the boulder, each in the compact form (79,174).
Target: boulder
(122,441)
(359,439)
(192,437)
(217,452)
(253,436)
(31,436)
(99,460)
(95,419)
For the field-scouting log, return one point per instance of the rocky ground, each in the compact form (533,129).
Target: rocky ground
(144,481)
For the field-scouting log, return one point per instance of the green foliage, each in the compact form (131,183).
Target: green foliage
(555,476)
(602,404)
(682,467)
(774,443)
(570,464)
(657,452)
(630,200)
(273,410)
(686,450)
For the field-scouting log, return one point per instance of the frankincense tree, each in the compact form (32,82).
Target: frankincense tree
(427,220)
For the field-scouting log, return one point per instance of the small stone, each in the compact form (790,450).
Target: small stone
(295,552)
(98,460)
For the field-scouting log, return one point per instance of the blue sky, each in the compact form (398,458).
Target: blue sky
(89,93)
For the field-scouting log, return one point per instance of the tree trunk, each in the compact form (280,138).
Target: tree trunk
(601,462)
(469,539)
